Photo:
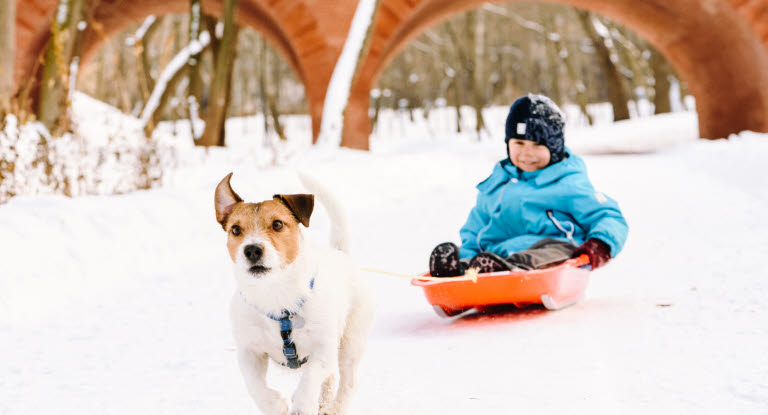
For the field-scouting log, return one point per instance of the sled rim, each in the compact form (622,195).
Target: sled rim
(578,262)
(555,288)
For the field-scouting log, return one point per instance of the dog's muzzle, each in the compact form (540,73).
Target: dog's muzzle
(253,253)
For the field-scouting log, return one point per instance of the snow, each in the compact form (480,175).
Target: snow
(118,304)
(62,11)
(195,16)
(74,66)
(106,154)
(601,29)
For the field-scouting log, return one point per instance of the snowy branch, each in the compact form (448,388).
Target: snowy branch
(174,66)
(141,31)
(519,20)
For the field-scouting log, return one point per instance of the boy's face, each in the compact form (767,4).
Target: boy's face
(527,155)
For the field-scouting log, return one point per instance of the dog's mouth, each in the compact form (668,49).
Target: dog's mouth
(258,270)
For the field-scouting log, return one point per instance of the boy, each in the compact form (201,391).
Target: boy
(538,207)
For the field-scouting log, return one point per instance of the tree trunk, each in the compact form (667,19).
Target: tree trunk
(55,79)
(580,89)
(263,85)
(273,96)
(228,88)
(180,108)
(101,89)
(273,111)
(661,87)
(376,109)
(7,49)
(468,57)
(552,45)
(146,80)
(86,17)
(213,135)
(479,76)
(457,102)
(465,73)
(635,62)
(124,95)
(616,90)
(195,86)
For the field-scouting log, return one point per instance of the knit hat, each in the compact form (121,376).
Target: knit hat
(536,118)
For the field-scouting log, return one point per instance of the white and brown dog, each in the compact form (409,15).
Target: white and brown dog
(304,306)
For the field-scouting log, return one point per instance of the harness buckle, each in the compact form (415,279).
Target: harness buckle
(289,350)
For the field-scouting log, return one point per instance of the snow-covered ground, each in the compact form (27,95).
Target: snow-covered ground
(118,305)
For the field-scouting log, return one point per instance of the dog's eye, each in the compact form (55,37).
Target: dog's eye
(277,225)
(236,230)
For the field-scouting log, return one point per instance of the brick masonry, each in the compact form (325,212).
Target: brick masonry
(719,47)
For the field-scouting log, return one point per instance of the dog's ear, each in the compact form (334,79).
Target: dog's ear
(300,205)
(225,200)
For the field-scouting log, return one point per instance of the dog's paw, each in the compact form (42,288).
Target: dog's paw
(281,407)
(304,411)
(326,409)
(276,405)
(329,409)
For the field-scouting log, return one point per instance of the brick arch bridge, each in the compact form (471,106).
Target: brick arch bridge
(310,34)
(719,47)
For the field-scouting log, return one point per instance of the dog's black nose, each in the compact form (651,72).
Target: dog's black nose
(253,252)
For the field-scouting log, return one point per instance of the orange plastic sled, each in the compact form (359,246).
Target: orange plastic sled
(556,287)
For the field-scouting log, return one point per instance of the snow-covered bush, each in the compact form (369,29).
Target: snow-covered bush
(32,162)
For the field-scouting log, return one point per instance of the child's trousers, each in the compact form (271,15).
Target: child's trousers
(545,253)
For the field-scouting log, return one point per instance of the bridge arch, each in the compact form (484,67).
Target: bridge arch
(309,36)
(719,47)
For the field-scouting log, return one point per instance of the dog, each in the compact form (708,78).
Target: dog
(303,305)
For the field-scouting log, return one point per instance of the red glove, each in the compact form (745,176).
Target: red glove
(599,252)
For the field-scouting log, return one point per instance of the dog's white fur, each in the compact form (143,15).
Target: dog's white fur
(338,313)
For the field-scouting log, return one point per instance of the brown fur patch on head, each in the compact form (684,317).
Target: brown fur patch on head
(301,205)
(270,220)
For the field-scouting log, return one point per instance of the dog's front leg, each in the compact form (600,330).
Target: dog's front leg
(306,399)
(253,366)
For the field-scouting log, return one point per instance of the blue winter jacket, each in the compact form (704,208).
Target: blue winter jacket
(516,209)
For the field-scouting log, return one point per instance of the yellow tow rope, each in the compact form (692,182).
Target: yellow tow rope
(469,275)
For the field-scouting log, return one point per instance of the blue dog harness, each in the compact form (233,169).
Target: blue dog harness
(286,329)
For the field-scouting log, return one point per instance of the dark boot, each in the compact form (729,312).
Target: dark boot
(489,262)
(444,261)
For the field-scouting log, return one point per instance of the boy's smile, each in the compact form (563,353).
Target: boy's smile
(527,155)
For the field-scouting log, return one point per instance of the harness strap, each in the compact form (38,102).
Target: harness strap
(286,329)
(299,363)
(289,348)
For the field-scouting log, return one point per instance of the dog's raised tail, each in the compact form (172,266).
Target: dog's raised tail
(339,228)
